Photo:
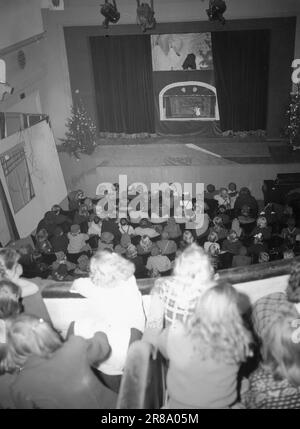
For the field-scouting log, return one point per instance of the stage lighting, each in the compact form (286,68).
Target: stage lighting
(5,88)
(110,13)
(216,10)
(145,15)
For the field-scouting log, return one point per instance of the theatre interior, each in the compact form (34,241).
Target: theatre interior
(150,204)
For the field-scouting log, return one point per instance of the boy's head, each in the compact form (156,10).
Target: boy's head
(210,188)
(75,229)
(42,235)
(125,240)
(222,209)
(217,221)
(188,237)
(213,237)
(123,221)
(232,236)
(263,257)
(131,251)
(10,299)
(245,211)
(214,249)
(232,187)
(83,263)
(224,192)
(56,209)
(107,237)
(261,222)
(60,256)
(58,231)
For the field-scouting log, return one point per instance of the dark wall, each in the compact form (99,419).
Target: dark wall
(281,55)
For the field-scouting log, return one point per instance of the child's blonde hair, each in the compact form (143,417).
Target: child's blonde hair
(193,264)
(108,268)
(281,347)
(217,327)
(25,336)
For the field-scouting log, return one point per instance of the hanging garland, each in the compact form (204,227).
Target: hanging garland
(292,129)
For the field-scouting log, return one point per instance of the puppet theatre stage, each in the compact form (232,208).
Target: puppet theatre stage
(195,80)
(184,160)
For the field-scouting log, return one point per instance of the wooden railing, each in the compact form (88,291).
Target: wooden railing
(232,275)
(12,122)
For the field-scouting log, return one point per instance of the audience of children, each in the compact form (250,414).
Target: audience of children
(194,321)
(230,219)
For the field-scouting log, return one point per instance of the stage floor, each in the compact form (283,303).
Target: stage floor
(193,160)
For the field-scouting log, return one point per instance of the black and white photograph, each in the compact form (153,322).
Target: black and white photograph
(149,208)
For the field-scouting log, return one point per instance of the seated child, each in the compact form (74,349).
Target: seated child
(81,218)
(219,228)
(60,274)
(95,227)
(235,226)
(223,199)
(61,259)
(145,245)
(83,265)
(158,264)
(59,240)
(241,260)
(44,247)
(42,243)
(173,229)
(288,254)
(246,220)
(223,214)
(290,233)
(214,252)
(146,228)
(106,241)
(125,228)
(77,243)
(263,228)
(210,192)
(232,243)
(263,257)
(257,247)
(167,246)
(187,240)
(233,193)
(212,239)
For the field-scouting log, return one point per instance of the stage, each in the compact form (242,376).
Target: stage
(246,161)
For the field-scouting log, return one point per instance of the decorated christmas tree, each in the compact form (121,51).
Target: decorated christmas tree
(292,130)
(81,136)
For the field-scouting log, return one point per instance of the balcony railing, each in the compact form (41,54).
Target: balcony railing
(11,122)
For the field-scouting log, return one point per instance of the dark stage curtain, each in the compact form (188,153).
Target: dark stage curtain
(241,61)
(123,82)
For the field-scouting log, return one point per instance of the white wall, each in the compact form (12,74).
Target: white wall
(19,20)
(46,175)
(30,81)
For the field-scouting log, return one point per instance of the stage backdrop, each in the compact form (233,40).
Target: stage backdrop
(185,85)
